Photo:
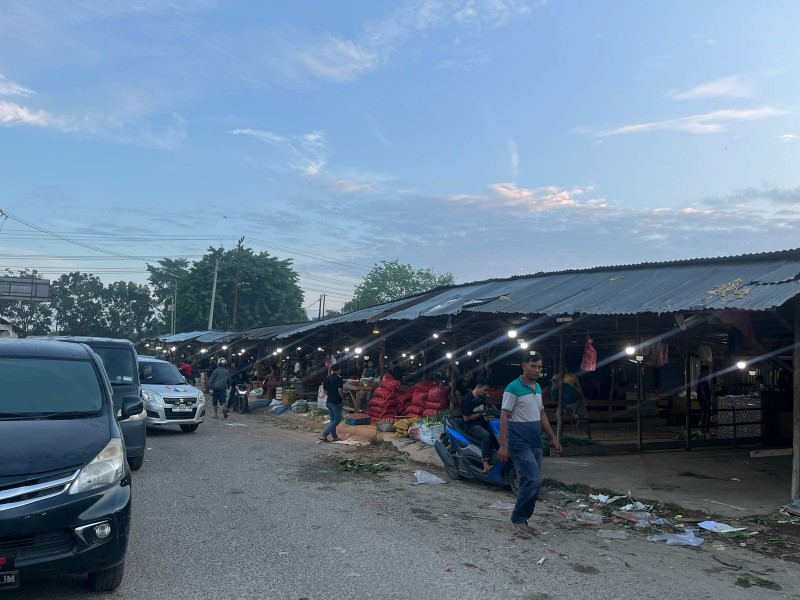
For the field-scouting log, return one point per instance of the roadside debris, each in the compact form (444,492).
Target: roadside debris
(793,508)
(719,527)
(502,505)
(613,534)
(604,499)
(425,477)
(541,560)
(747,580)
(678,539)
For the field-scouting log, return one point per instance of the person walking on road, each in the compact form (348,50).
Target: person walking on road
(334,386)
(218,384)
(522,419)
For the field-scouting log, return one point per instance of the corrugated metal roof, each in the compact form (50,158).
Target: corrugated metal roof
(750,282)
(751,285)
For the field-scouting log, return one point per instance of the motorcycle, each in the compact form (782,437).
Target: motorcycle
(461,456)
(238,398)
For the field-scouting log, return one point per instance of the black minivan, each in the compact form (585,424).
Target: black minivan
(65,485)
(120,362)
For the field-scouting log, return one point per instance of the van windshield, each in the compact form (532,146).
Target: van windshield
(43,386)
(160,373)
(120,364)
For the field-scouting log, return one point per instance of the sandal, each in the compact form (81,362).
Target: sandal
(324,439)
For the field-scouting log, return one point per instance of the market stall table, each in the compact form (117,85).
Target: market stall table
(352,391)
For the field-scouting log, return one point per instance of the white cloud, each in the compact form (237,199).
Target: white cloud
(726,87)
(307,152)
(789,137)
(712,122)
(15,114)
(9,88)
(547,199)
(512,148)
(340,60)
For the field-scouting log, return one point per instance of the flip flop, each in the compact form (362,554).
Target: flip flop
(324,439)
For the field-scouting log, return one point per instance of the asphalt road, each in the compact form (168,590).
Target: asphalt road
(246,509)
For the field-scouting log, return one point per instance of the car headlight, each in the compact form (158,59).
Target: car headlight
(152,396)
(201,397)
(107,468)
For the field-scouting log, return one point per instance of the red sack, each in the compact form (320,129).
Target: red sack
(429,413)
(440,395)
(414,410)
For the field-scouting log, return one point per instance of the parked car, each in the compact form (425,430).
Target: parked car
(65,486)
(169,399)
(119,360)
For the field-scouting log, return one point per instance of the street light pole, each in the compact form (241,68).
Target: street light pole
(175,306)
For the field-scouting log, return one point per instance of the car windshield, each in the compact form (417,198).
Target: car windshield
(161,373)
(119,364)
(37,386)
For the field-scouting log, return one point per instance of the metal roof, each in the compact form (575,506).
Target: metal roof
(751,282)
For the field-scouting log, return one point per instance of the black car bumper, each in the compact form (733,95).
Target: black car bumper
(58,535)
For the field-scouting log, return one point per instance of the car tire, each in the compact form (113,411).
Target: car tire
(107,580)
(189,427)
(135,462)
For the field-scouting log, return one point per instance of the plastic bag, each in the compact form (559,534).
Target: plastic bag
(425,477)
(589,362)
(678,539)
(613,534)
(322,397)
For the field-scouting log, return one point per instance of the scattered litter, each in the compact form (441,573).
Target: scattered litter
(541,560)
(747,580)
(719,527)
(149,448)
(613,534)
(235,425)
(425,477)
(661,521)
(633,516)
(678,539)
(735,479)
(282,553)
(636,506)
(604,499)
(349,442)
(584,517)
(729,565)
(793,508)
(502,505)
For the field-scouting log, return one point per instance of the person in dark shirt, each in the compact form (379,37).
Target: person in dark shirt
(334,385)
(463,386)
(472,411)
(704,397)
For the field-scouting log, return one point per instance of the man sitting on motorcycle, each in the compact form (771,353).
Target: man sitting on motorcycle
(475,423)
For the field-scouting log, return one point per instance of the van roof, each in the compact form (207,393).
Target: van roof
(43,348)
(92,341)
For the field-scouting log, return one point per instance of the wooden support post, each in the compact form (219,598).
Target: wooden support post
(796,397)
(561,367)
(687,380)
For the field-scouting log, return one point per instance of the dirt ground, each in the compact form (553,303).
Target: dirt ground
(775,536)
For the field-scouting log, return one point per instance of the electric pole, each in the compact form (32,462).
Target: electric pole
(213,296)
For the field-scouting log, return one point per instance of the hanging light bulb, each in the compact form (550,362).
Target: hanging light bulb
(512,333)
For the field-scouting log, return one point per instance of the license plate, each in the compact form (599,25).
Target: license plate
(9,580)
(181,408)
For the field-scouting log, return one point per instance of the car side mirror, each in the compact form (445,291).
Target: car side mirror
(147,372)
(131,405)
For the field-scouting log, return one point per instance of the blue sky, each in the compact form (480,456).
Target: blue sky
(485,138)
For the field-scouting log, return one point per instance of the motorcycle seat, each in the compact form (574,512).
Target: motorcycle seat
(463,428)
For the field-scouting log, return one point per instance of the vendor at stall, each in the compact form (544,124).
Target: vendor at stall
(573,403)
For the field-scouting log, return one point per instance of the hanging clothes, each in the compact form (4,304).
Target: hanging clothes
(589,362)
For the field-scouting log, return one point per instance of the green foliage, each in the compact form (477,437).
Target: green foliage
(390,280)
(77,302)
(33,318)
(129,310)
(253,290)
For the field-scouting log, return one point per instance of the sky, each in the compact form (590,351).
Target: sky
(484,138)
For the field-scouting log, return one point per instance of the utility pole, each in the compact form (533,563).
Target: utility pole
(319,316)
(235,300)
(323,304)
(213,296)
(175,306)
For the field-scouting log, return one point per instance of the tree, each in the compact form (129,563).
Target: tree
(77,301)
(33,318)
(389,280)
(166,281)
(129,310)
(253,290)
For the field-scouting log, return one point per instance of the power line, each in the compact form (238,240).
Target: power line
(308,254)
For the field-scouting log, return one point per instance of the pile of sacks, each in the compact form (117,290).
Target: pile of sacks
(385,399)
(428,399)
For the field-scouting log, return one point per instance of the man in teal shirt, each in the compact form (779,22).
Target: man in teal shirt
(522,419)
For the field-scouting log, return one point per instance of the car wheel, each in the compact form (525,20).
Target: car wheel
(135,462)
(189,428)
(107,580)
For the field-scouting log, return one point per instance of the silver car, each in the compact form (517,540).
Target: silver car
(168,399)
